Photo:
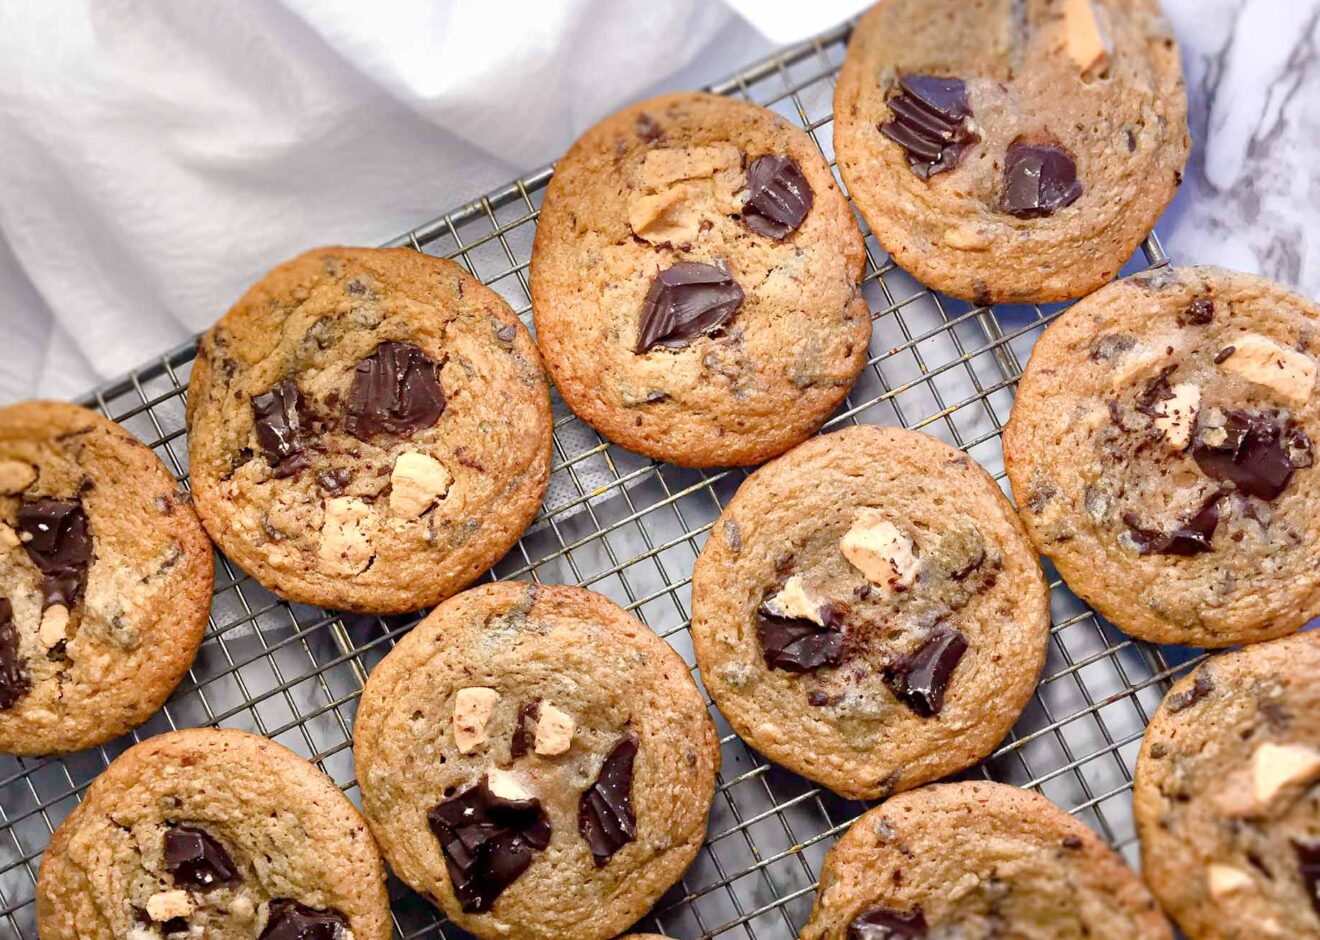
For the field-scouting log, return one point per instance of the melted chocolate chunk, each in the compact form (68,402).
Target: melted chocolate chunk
(1202,686)
(487,842)
(59,542)
(524,732)
(1039,180)
(1157,390)
(1197,313)
(685,301)
(795,644)
(1190,538)
(290,920)
(14,682)
(1308,866)
(920,678)
(396,390)
(931,122)
(882,924)
(196,860)
(279,418)
(334,481)
(605,812)
(1255,452)
(778,197)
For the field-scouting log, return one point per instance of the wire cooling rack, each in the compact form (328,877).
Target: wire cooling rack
(631,529)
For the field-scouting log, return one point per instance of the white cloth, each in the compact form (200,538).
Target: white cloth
(157,156)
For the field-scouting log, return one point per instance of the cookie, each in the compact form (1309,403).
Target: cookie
(1225,795)
(369,429)
(978,860)
(867,611)
(1011,150)
(105,579)
(216,834)
(535,762)
(1160,450)
(695,282)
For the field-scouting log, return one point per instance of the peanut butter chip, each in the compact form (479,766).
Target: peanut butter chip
(876,548)
(417,482)
(54,625)
(554,731)
(793,601)
(167,905)
(506,786)
(345,547)
(683,187)
(15,476)
(1085,36)
(1223,880)
(472,708)
(1175,417)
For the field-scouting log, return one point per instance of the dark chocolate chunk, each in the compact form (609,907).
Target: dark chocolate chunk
(920,678)
(280,420)
(524,732)
(396,390)
(647,128)
(882,924)
(1257,453)
(290,920)
(1308,866)
(1157,390)
(1039,180)
(795,644)
(686,300)
(59,542)
(931,122)
(1072,842)
(14,681)
(334,481)
(778,197)
(196,860)
(1202,686)
(1188,538)
(487,842)
(605,812)
(1197,313)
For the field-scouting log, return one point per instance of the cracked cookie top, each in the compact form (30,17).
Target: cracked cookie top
(695,282)
(212,834)
(978,861)
(368,429)
(536,762)
(105,579)
(1012,150)
(1161,452)
(868,611)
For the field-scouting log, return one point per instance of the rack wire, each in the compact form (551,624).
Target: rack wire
(631,528)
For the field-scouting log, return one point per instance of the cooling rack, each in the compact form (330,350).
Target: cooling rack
(631,528)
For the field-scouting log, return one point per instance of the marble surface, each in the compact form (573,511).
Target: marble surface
(120,273)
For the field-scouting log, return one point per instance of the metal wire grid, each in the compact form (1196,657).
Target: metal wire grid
(631,529)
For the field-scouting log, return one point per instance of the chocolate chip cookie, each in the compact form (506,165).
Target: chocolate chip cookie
(1226,797)
(868,611)
(214,834)
(978,861)
(535,762)
(369,429)
(695,282)
(1012,150)
(105,579)
(1160,449)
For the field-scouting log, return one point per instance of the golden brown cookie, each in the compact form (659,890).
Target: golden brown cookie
(978,860)
(368,429)
(1160,449)
(695,282)
(536,762)
(1011,150)
(868,611)
(215,834)
(1226,797)
(105,579)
